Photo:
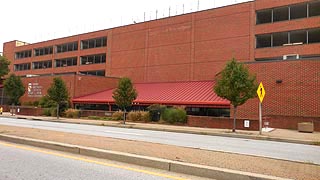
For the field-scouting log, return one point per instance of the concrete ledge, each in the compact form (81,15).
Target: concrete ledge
(126,158)
(40,143)
(218,173)
(186,168)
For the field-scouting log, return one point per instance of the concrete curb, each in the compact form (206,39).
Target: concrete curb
(178,167)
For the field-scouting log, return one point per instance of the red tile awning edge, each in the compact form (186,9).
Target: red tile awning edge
(186,103)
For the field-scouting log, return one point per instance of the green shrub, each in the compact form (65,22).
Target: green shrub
(72,113)
(47,112)
(118,115)
(45,102)
(53,112)
(100,118)
(35,103)
(174,115)
(94,117)
(155,111)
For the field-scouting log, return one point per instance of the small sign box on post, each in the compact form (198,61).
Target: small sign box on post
(261,93)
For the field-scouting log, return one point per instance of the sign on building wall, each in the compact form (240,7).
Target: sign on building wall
(34,90)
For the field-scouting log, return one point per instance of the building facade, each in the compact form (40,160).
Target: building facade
(278,40)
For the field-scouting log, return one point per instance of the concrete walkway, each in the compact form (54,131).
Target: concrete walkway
(282,135)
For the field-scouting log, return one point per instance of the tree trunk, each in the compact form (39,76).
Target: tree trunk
(234,118)
(12,109)
(58,111)
(124,116)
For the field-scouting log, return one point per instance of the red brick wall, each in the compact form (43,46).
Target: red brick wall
(297,95)
(78,85)
(180,48)
(291,122)
(222,123)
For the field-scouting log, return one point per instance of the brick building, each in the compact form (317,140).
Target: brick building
(278,40)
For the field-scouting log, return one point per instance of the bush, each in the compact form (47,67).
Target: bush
(72,113)
(45,102)
(27,103)
(53,112)
(50,112)
(155,111)
(139,116)
(118,115)
(47,112)
(35,103)
(145,116)
(100,118)
(174,115)
(134,116)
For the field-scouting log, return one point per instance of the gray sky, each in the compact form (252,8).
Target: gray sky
(34,20)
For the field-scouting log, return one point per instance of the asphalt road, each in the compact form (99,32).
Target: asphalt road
(271,149)
(18,162)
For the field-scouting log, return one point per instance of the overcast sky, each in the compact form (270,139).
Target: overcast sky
(34,20)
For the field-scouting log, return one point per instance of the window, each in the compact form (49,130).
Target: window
(22,67)
(314,36)
(281,14)
(66,62)
(93,59)
(94,43)
(314,8)
(23,54)
(280,39)
(263,40)
(298,11)
(67,47)
(264,16)
(42,64)
(94,73)
(288,38)
(43,51)
(298,37)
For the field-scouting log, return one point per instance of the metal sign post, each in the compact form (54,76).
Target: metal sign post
(261,93)
(260,118)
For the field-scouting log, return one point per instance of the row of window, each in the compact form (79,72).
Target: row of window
(94,73)
(67,47)
(302,10)
(288,38)
(73,46)
(72,61)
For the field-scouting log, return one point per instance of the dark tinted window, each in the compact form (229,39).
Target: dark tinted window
(264,16)
(298,11)
(263,40)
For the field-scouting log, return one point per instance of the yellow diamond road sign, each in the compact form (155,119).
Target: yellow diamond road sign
(261,92)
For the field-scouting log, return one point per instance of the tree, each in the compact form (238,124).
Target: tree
(4,66)
(124,95)
(235,84)
(14,88)
(58,93)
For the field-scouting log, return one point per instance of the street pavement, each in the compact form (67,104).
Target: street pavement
(20,162)
(270,149)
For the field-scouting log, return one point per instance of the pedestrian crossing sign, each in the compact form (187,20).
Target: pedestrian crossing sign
(261,92)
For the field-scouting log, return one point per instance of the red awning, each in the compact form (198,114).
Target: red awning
(193,93)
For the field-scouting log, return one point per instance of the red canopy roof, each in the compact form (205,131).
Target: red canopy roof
(193,93)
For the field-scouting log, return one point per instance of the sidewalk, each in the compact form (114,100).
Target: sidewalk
(282,135)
